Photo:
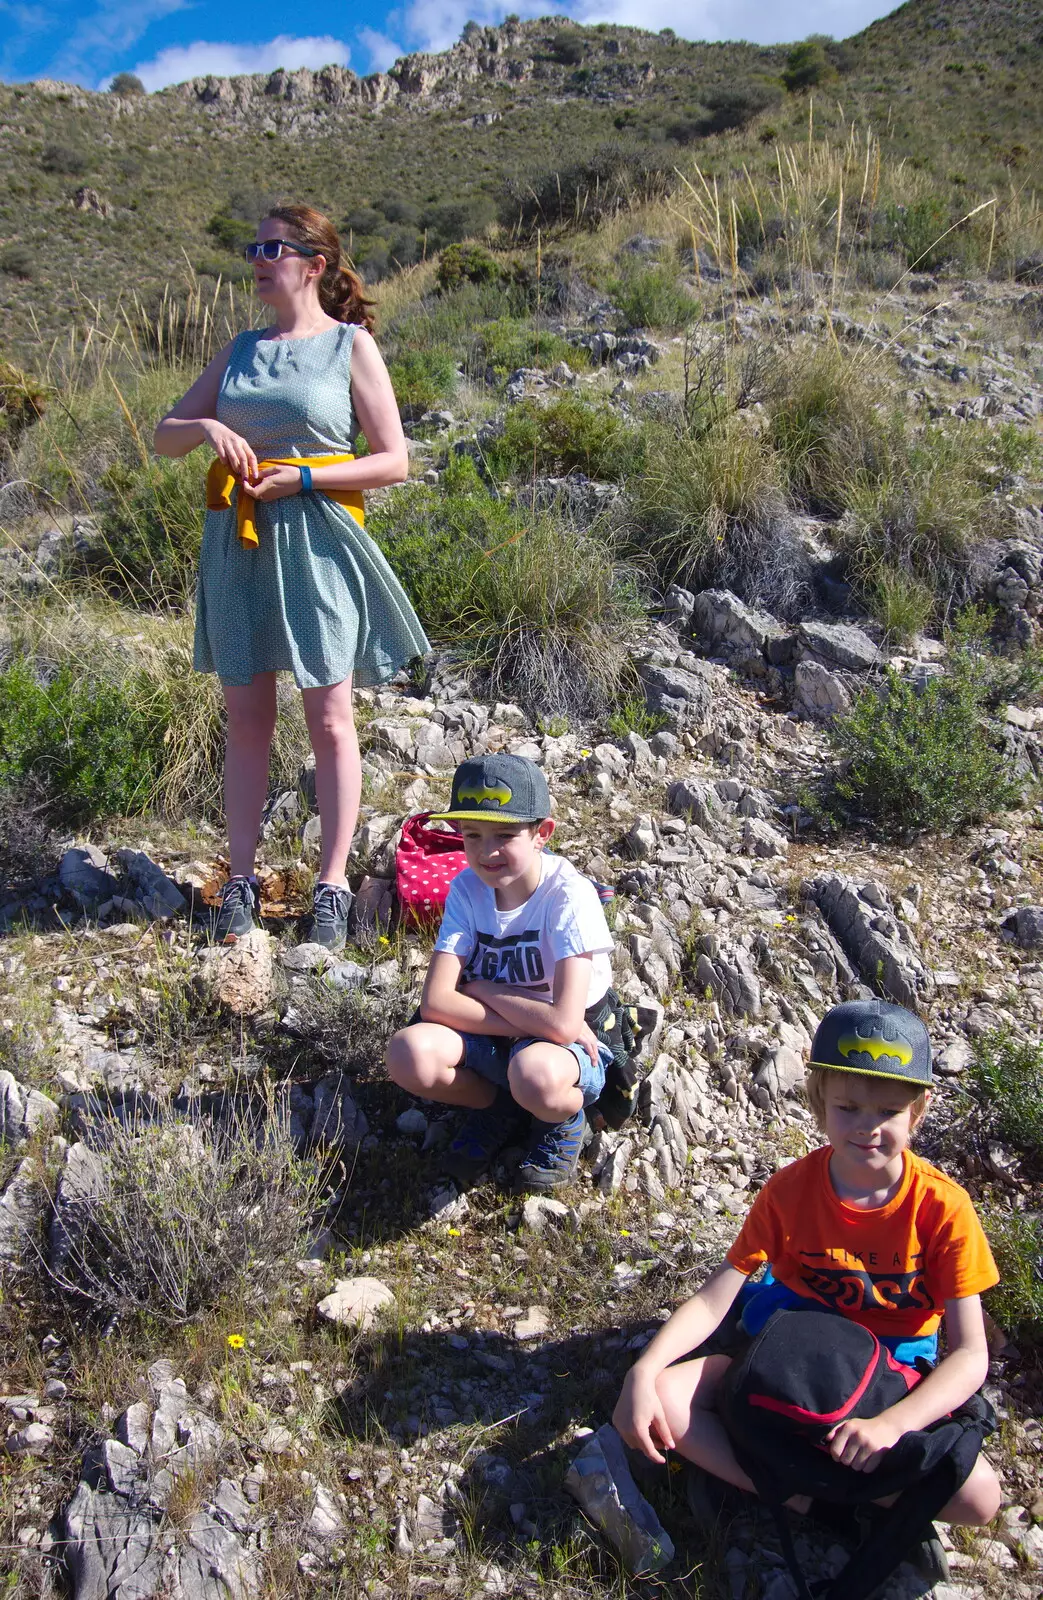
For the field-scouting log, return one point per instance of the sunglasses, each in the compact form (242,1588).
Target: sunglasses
(272,249)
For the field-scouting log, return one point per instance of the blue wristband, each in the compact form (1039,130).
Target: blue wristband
(305,473)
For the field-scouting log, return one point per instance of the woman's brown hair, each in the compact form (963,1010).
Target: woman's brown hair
(341,293)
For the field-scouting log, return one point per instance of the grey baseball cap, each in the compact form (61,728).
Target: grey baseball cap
(876,1039)
(498,788)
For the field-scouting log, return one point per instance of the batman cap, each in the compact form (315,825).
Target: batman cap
(497,788)
(876,1039)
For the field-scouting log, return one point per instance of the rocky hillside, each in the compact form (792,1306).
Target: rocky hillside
(101,201)
(738,530)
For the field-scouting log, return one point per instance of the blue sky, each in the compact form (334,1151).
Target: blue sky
(166,41)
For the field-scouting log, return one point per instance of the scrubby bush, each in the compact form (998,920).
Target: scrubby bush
(914,758)
(22,401)
(94,745)
(500,348)
(917,231)
(547,610)
(568,47)
(454,220)
(150,528)
(651,297)
(736,106)
(1006,1082)
(422,377)
(826,427)
(567,435)
(924,507)
(710,510)
(127,84)
(807,65)
(18,261)
(29,846)
(71,160)
(466,264)
(183,1217)
(1016,1302)
(585,192)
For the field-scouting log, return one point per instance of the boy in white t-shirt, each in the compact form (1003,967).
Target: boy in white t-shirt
(522,955)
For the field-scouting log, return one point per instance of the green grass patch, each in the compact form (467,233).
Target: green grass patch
(651,297)
(422,377)
(151,527)
(501,347)
(1006,1081)
(1016,1302)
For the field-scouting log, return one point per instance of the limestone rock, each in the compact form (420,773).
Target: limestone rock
(355,1301)
(243,974)
(1026,924)
(727,626)
(838,644)
(600,1479)
(21,1207)
(533,1325)
(83,874)
(819,694)
(23,1111)
(158,894)
(881,948)
(337,1119)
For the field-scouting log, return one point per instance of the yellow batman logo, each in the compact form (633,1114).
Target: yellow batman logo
(502,795)
(875,1045)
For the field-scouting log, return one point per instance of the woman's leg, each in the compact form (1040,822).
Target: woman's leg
(250,714)
(338,773)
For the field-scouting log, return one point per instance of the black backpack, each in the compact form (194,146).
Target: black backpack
(805,1372)
(615,1026)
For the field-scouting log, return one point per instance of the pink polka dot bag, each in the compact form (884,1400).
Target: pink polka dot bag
(426,862)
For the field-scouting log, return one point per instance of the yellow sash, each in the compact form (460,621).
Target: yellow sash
(220,481)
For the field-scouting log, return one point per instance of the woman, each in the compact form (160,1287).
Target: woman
(288,580)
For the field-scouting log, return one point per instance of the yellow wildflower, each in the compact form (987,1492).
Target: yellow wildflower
(236,1341)
(454,1233)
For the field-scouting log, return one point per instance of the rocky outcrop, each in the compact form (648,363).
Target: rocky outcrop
(881,946)
(600,1479)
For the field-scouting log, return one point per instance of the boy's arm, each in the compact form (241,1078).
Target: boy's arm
(443,1001)
(638,1416)
(560,1022)
(862,1443)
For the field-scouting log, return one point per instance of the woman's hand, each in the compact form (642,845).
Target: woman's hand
(274,483)
(639,1418)
(232,449)
(863,1442)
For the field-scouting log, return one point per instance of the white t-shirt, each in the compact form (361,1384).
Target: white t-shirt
(562,917)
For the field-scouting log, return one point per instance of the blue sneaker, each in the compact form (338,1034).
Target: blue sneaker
(484,1134)
(554,1153)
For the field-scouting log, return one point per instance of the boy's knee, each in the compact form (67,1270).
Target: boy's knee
(979,1499)
(405,1057)
(541,1069)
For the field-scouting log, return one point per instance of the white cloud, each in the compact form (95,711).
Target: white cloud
(382,51)
(200,59)
(109,29)
(435,24)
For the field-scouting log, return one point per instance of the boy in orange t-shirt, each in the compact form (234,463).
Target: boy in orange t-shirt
(861,1227)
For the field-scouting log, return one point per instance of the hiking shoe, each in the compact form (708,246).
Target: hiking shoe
(928,1559)
(239,911)
(554,1154)
(483,1135)
(328,923)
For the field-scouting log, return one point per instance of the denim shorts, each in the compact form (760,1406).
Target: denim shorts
(490,1057)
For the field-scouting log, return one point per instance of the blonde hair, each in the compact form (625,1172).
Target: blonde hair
(817,1081)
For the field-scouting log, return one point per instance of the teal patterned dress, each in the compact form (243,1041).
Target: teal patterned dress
(316,598)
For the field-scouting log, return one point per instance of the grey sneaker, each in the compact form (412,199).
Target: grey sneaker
(239,911)
(328,923)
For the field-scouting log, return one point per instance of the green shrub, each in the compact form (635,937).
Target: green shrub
(22,401)
(932,758)
(71,160)
(634,715)
(825,426)
(585,192)
(807,65)
(923,507)
(421,378)
(568,47)
(734,107)
(651,297)
(18,261)
(127,84)
(94,745)
(500,348)
(710,510)
(901,603)
(917,229)
(150,527)
(567,435)
(1006,1081)
(1016,1302)
(548,611)
(466,264)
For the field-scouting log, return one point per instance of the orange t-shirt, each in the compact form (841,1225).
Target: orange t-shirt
(891,1269)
